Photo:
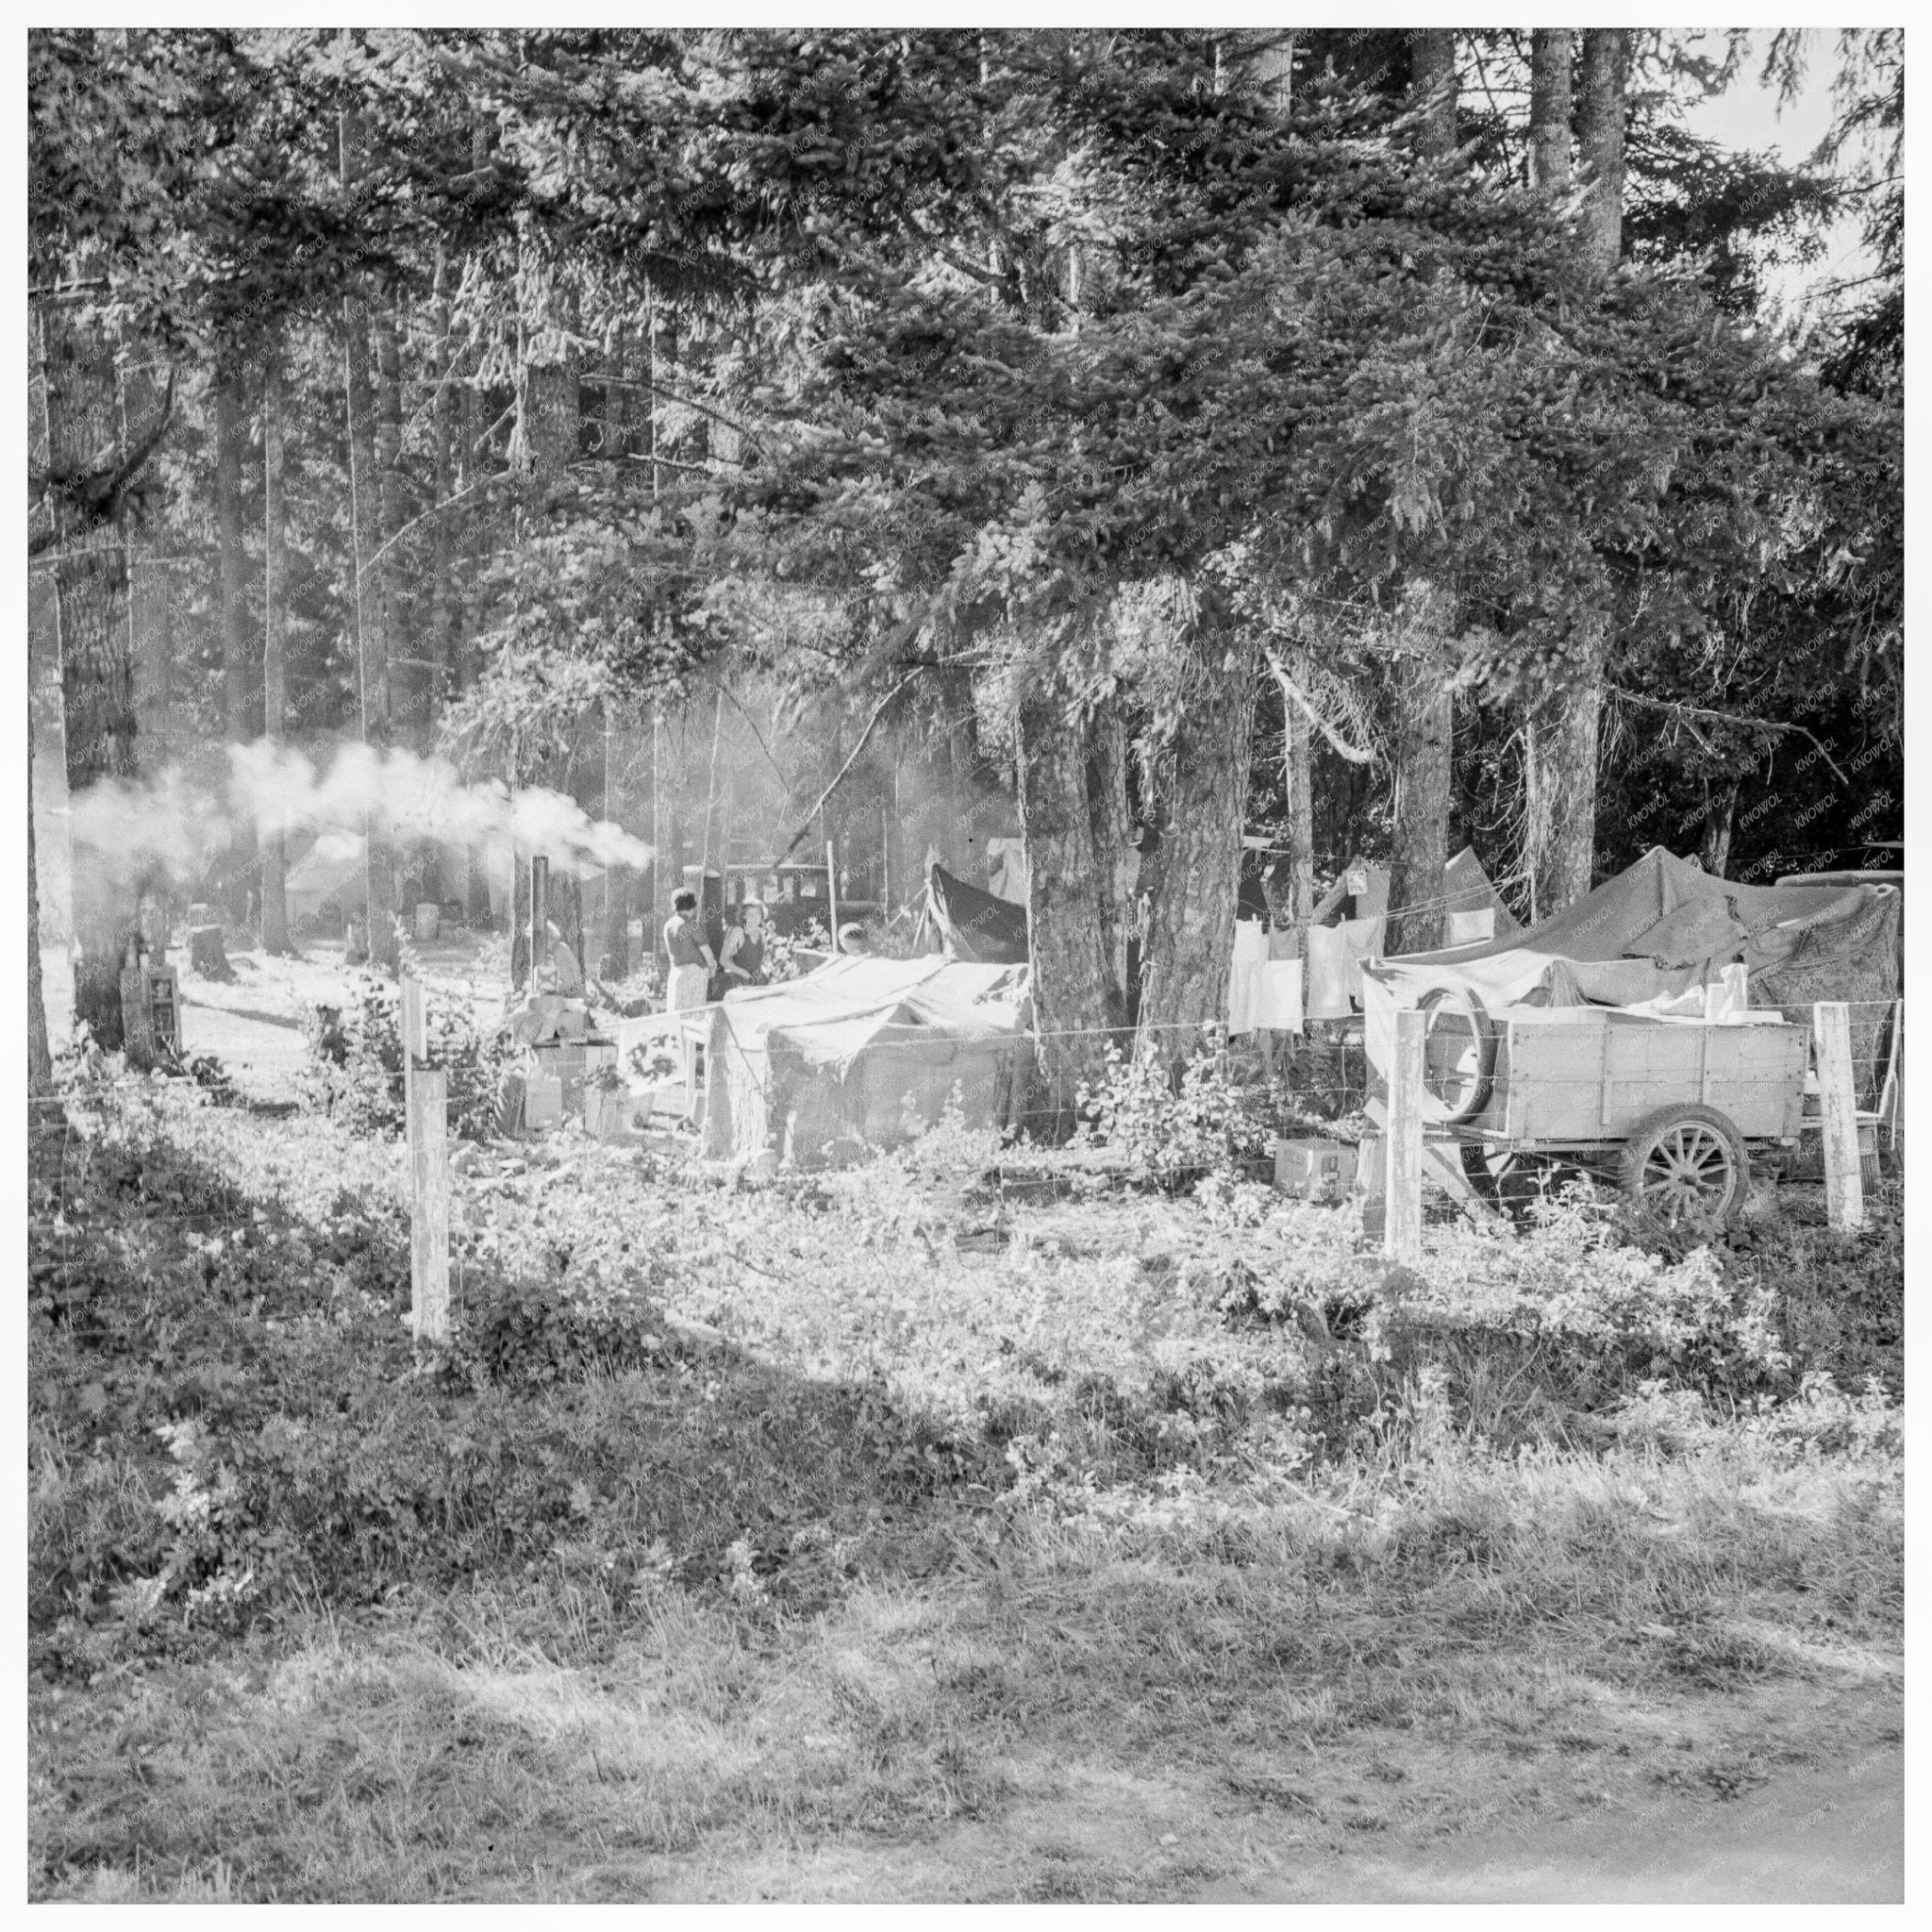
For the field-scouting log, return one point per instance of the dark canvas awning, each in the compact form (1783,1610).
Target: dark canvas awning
(977,925)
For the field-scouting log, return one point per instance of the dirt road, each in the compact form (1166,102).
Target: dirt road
(1831,1836)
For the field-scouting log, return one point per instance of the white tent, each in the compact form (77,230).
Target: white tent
(332,869)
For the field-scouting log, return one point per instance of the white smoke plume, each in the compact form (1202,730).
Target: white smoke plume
(175,824)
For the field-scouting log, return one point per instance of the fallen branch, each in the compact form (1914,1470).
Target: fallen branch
(1678,708)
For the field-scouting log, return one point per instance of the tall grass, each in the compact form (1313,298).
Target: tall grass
(741,1526)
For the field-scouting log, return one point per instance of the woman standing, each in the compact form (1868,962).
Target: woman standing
(745,948)
(693,961)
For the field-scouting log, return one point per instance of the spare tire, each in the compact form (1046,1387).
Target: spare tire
(1456,1089)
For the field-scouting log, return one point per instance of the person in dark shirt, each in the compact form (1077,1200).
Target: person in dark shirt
(745,948)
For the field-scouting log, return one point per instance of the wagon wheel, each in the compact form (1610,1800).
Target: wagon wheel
(1458,1053)
(1685,1164)
(1516,1181)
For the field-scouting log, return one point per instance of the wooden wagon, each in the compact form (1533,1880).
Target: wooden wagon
(1667,1109)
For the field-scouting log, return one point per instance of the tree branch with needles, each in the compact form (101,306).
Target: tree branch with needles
(1685,713)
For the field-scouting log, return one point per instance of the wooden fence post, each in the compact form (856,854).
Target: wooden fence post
(430,1204)
(415,1042)
(1402,1227)
(1837,1104)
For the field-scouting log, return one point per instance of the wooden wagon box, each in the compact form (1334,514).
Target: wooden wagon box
(1570,1075)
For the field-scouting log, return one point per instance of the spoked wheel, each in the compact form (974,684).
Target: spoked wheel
(1516,1182)
(1686,1166)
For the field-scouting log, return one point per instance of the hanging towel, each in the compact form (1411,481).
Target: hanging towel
(1279,1006)
(1335,965)
(1244,974)
(1327,988)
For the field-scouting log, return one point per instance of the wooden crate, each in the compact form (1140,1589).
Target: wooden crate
(1314,1170)
(1576,1074)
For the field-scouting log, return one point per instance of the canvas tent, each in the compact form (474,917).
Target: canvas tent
(332,870)
(1665,926)
(864,1051)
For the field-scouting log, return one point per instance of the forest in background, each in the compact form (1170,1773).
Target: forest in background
(1377,441)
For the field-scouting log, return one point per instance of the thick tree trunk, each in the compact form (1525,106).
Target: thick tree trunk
(443,611)
(274,668)
(154,649)
(1425,729)
(1298,762)
(230,437)
(1072,976)
(1561,770)
(475,547)
(39,1061)
(1601,107)
(1191,914)
(406,696)
(1563,735)
(90,575)
(1115,866)
(1551,49)
(545,443)
(371,603)
(1432,84)
(410,723)
(371,629)
(617,879)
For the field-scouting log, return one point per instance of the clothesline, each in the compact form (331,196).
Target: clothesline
(1190,1026)
(1414,906)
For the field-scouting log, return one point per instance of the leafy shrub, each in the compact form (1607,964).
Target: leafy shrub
(533,1329)
(1839,1299)
(1206,1123)
(355,1067)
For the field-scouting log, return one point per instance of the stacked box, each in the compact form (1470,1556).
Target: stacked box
(608,1114)
(542,1100)
(1314,1170)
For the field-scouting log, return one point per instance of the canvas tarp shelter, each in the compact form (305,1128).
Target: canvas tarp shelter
(864,1051)
(1665,926)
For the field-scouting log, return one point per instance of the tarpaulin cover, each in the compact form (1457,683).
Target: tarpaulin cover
(1666,925)
(977,926)
(863,1050)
